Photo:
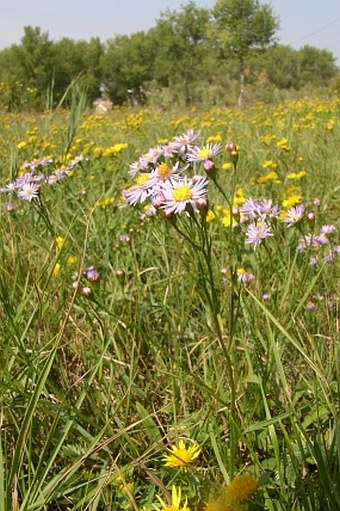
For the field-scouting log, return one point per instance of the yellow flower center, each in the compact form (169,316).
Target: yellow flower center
(142,178)
(204,153)
(164,171)
(182,193)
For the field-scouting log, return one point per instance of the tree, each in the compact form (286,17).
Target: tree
(243,27)
(316,67)
(182,47)
(127,64)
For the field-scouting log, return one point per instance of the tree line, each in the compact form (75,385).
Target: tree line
(189,56)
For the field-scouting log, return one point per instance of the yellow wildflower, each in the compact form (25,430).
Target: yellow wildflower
(176,497)
(241,489)
(56,269)
(297,175)
(181,455)
(59,241)
(291,201)
(269,164)
(210,216)
(283,144)
(215,505)
(71,260)
(227,166)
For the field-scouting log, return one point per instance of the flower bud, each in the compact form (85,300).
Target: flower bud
(232,150)
(92,274)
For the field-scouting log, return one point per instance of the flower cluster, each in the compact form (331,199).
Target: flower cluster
(160,179)
(27,186)
(313,242)
(83,282)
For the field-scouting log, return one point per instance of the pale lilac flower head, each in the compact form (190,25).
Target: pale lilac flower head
(204,155)
(180,194)
(184,143)
(256,232)
(141,190)
(92,274)
(244,276)
(250,207)
(294,215)
(310,306)
(327,229)
(9,207)
(265,208)
(29,191)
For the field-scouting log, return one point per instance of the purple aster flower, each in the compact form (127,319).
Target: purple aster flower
(244,276)
(327,229)
(266,297)
(321,239)
(179,194)
(294,215)
(124,238)
(329,258)
(183,143)
(92,274)
(9,206)
(266,209)
(250,208)
(29,191)
(256,232)
(204,155)
(141,190)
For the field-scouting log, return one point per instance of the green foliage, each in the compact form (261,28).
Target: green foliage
(94,387)
(191,56)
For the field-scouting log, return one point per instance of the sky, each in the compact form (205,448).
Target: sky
(312,22)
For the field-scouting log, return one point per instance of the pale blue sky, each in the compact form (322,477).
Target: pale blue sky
(313,22)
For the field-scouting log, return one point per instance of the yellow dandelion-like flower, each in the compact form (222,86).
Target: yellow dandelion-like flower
(181,455)
(297,175)
(59,241)
(210,216)
(283,144)
(269,164)
(241,489)
(71,260)
(227,219)
(215,505)
(239,197)
(291,201)
(56,269)
(267,139)
(227,166)
(214,138)
(176,497)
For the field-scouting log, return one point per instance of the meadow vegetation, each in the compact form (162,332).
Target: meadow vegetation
(169,308)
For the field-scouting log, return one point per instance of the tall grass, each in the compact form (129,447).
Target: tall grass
(101,376)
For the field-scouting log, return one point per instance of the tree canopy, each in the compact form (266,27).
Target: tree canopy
(189,55)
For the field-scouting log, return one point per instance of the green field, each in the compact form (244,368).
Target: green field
(170,343)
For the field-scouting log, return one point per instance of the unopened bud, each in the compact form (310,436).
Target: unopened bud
(232,150)
(86,291)
(92,274)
